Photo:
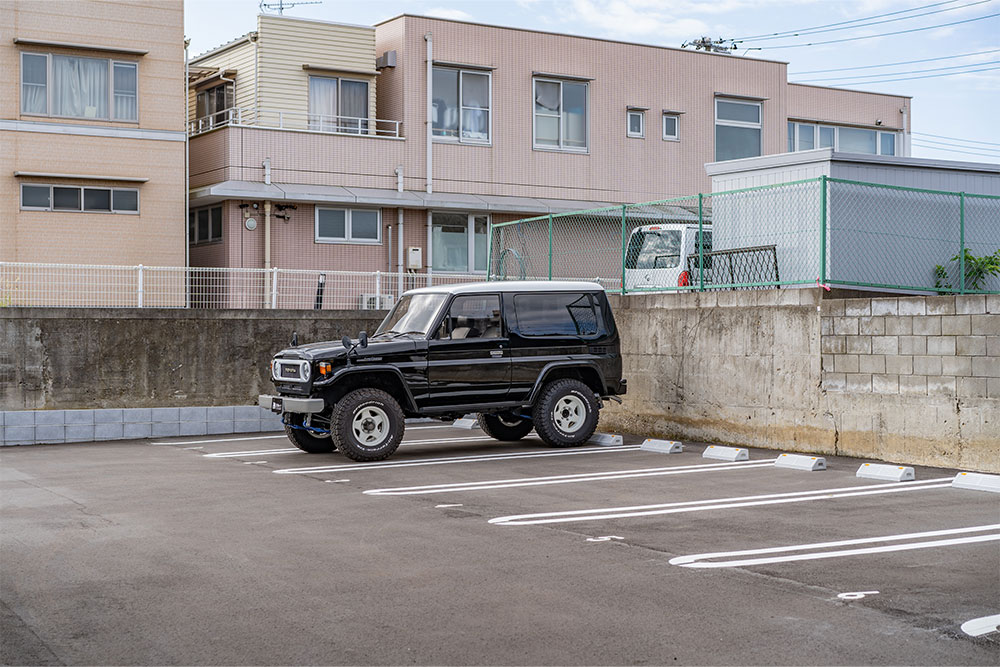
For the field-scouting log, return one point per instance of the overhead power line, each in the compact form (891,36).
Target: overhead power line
(911,78)
(949,145)
(870,23)
(968,141)
(913,71)
(901,62)
(865,18)
(951,150)
(884,34)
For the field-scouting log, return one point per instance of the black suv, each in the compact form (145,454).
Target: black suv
(523,355)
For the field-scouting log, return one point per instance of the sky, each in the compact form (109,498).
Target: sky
(955,116)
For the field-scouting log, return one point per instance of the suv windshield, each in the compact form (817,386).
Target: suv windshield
(654,249)
(413,314)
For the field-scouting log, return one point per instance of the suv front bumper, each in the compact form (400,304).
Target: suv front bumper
(280,404)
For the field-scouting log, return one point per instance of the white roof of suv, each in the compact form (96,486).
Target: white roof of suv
(510,286)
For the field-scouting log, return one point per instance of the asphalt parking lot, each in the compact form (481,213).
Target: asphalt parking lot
(458,550)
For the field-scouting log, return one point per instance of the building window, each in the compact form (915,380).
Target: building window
(461,101)
(737,129)
(560,115)
(670,127)
(92,88)
(459,242)
(635,123)
(205,225)
(36,197)
(807,136)
(338,105)
(211,105)
(346,225)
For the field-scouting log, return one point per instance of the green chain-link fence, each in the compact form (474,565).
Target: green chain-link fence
(816,231)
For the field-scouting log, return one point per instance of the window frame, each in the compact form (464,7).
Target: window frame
(348,238)
(642,123)
(470,253)
(596,307)
(193,238)
(111,62)
(339,128)
(561,148)
(676,136)
(461,107)
(759,125)
(81,209)
(819,127)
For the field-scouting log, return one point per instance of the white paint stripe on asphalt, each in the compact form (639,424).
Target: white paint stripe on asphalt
(255,452)
(698,560)
(278,434)
(981,626)
(713,504)
(567,479)
(473,458)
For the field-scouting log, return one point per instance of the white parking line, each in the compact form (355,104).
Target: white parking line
(474,458)
(296,450)
(567,479)
(278,434)
(714,504)
(697,560)
(981,626)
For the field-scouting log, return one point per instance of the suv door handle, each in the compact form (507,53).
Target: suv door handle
(496,353)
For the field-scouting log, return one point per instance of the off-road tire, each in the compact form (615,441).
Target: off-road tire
(308,442)
(505,427)
(385,417)
(578,413)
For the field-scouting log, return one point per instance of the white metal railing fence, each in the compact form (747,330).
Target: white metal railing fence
(296,120)
(97,286)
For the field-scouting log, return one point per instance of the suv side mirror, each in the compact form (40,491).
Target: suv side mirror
(363,339)
(346,342)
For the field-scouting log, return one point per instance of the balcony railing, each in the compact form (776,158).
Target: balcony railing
(296,120)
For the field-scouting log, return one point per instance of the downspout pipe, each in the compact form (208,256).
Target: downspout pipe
(187,167)
(430,111)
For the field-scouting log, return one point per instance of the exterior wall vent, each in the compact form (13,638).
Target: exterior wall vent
(387,59)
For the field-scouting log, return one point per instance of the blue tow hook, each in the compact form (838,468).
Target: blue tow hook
(311,429)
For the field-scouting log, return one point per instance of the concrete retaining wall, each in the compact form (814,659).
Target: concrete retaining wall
(760,368)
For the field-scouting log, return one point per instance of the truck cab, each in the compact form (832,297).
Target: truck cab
(656,255)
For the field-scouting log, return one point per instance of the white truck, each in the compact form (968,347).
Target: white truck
(656,255)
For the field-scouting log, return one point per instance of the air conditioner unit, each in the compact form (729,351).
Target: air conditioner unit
(369,302)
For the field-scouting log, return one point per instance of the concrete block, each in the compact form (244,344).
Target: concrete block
(956,325)
(137,430)
(913,345)
(884,306)
(911,305)
(972,346)
(800,462)
(834,381)
(164,415)
(193,414)
(986,367)
(845,326)
(271,424)
(833,344)
(246,425)
(858,383)
(898,326)
(970,304)
(859,344)
(606,440)
(976,481)
(942,345)
(662,446)
(245,412)
(871,326)
(725,453)
(80,433)
(220,414)
(165,429)
(826,326)
(220,427)
(79,417)
(959,366)
(993,303)
(871,363)
(941,386)
(137,415)
(826,362)
(927,325)
(857,307)
(885,345)
(845,363)
(109,431)
(19,418)
(832,307)
(809,296)
(192,428)
(993,346)
(899,364)
(107,416)
(49,433)
(18,435)
(993,387)
(925,365)
(986,325)
(889,473)
(913,385)
(939,305)
(885,384)
(969,387)
(48,417)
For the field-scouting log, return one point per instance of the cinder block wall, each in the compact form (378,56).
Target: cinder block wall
(909,380)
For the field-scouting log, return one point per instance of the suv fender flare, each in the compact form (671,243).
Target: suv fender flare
(368,370)
(543,377)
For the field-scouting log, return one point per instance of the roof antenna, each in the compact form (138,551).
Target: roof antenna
(281,5)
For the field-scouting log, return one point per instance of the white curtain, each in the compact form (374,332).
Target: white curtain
(79,87)
(126,107)
(322,103)
(33,80)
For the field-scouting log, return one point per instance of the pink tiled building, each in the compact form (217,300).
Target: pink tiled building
(318,145)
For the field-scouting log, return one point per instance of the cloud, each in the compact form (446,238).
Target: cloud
(445,13)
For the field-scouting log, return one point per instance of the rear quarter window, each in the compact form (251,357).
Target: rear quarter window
(558,314)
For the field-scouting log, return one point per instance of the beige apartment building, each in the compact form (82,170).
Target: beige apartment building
(92,141)
(318,145)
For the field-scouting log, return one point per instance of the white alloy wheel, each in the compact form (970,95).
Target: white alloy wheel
(370,426)
(569,414)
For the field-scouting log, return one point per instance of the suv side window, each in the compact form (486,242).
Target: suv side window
(474,316)
(562,314)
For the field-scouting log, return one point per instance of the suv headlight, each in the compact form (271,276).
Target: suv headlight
(290,370)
